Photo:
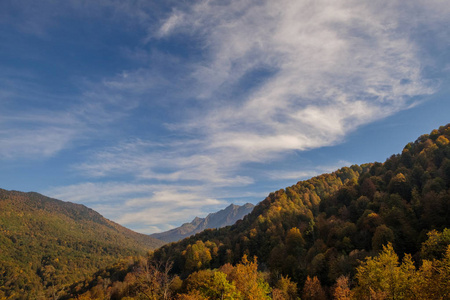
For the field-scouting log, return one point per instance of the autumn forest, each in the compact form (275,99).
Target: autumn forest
(371,231)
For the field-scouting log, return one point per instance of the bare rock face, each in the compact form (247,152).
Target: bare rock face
(222,218)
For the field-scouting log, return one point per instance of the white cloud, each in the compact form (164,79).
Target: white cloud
(175,19)
(335,66)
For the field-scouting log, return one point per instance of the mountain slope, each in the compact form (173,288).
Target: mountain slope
(323,226)
(222,218)
(47,243)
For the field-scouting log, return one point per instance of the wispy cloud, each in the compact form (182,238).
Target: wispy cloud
(42,142)
(36,134)
(313,73)
(37,124)
(170,162)
(335,66)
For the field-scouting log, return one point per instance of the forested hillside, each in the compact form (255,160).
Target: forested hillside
(316,239)
(46,244)
(322,226)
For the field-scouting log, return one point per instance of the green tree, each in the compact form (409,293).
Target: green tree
(294,242)
(382,236)
(220,288)
(212,285)
(196,256)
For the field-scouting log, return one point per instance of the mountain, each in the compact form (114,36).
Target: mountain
(46,244)
(222,218)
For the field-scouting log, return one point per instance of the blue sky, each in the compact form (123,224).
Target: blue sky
(154,112)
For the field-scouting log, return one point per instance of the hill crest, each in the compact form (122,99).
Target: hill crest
(45,242)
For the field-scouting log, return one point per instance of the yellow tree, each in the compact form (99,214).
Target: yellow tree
(444,273)
(248,282)
(384,276)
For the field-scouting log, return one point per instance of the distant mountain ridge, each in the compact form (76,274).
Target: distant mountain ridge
(46,244)
(222,218)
